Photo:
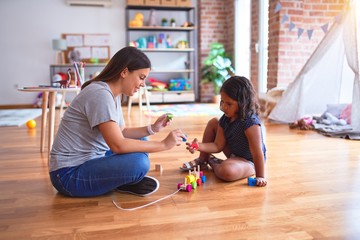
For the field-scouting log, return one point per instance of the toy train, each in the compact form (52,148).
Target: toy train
(194,179)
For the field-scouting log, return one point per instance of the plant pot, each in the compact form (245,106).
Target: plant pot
(206,92)
(216,99)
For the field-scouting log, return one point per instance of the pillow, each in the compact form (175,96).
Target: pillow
(346,114)
(336,109)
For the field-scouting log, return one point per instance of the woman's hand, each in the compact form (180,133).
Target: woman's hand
(194,146)
(163,121)
(174,138)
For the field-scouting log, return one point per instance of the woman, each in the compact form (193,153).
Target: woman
(93,152)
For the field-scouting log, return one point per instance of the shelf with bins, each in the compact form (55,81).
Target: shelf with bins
(177,60)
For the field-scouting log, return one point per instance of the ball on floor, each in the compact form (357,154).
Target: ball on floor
(31,124)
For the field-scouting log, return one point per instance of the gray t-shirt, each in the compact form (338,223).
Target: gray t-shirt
(78,138)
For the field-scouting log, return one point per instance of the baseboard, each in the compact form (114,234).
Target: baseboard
(17,106)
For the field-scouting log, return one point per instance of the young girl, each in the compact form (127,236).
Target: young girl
(237,133)
(93,152)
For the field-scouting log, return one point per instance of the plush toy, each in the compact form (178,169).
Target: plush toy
(157,85)
(346,114)
(138,20)
(305,123)
(74,56)
(329,119)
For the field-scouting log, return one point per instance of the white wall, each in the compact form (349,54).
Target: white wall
(27,28)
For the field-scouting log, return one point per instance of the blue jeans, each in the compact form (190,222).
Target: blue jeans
(101,175)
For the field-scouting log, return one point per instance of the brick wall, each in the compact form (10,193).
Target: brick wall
(216,24)
(288,52)
(254,66)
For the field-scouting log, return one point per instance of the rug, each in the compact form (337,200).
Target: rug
(17,117)
(181,110)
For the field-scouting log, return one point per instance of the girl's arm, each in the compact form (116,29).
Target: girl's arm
(211,147)
(253,135)
(116,141)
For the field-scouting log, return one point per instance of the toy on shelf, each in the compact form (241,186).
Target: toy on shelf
(138,20)
(182,44)
(194,179)
(168,42)
(65,83)
(152,18)
(179,84)
(161,41)
(187,24)
(151,41)
(157,85)
(74,56)
(141,42)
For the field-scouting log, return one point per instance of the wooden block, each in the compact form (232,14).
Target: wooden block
(158,168)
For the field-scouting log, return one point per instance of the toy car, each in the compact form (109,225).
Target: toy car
(194,179)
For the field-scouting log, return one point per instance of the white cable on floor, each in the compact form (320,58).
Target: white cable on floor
(148,204)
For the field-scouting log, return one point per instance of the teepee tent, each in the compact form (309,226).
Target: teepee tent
(330,76)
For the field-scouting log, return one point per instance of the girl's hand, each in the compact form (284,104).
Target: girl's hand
(163,121)
(193,147)
(174,138)
(261,182)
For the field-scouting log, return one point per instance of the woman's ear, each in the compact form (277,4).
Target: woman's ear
(124,72)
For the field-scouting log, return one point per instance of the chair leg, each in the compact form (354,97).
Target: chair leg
(62,105)
(147,99)
(129,105)
(141,91)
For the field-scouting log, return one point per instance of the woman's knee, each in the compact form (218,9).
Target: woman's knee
(142,161)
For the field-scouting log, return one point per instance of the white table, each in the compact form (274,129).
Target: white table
(49,97)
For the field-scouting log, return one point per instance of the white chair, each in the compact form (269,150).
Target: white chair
(143,92)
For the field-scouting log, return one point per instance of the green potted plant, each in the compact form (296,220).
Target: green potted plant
(164,22)
(172,22)
(217,67)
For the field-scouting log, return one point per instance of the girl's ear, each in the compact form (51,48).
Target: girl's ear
(124,72)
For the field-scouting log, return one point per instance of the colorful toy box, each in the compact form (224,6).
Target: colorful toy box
(179,84)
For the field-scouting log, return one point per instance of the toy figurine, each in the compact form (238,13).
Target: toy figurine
(138,20)
(66,82)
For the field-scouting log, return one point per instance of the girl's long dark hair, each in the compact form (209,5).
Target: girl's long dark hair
(242,90)
(127,57)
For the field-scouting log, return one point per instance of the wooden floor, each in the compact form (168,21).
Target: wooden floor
(313,193)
